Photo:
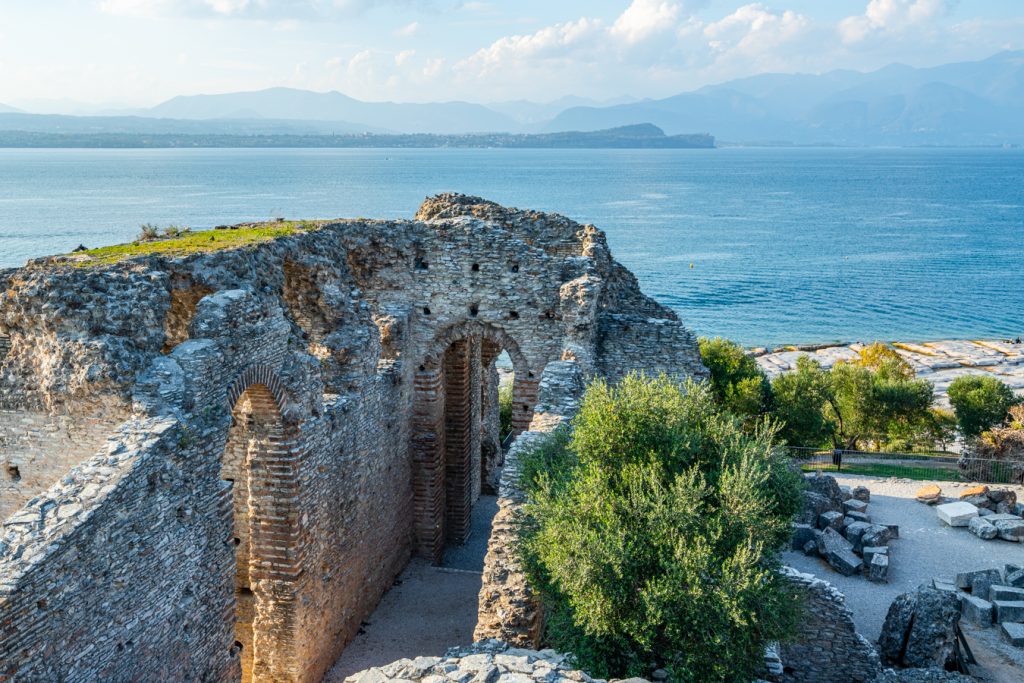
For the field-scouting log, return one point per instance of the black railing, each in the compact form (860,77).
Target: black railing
(922,466)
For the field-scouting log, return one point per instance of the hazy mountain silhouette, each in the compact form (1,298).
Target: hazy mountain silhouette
(4,109)
(288,103)
(963,103)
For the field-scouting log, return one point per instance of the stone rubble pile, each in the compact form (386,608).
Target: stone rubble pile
(920,629)
(836,526)
(986,513)
(990,597)
(487,661)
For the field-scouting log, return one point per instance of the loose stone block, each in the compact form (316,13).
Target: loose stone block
(1009,610)
(976,610)
(1005,593)
(982,529)
(870,551)
(878,569)
(802,533)
(956,514)
(830,519)
(1015,578)
(854,505)
(862,493)
(858,517)
(929,494)
(967,580)
(838,552)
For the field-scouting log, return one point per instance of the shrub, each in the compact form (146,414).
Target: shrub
(873,405)
(738,382)
(800,398)
(505,410)
(980,403)
(652,534)
(147,233)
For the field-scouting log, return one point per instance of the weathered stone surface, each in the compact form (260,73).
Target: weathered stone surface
(956,514)
(315,407)
(1005,593)
(1015,578)
(830,519)
(973,491)
(874,535)
(855,516)
(1009,610)
(869,551)
(855,505)
(838,552)
(862,493)
(967,580)
(922,676)
(929,494)
(982,529)
(1009,529)
(919,629)
(1013,632)
(827,646)
(976,610)
(878,568)
(855,531)
(802,533)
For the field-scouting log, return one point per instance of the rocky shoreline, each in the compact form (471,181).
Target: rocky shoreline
(939,362)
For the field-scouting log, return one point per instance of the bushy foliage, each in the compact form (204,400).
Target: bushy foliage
(800,400)
(738,382)
(652,534)
(980,403)
(504,410)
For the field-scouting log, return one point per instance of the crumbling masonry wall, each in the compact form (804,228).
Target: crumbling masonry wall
(289,422)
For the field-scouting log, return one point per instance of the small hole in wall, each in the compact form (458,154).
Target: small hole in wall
(41,604)
(236,541)
(530,375)
(526,407)
(422,265)
(515,267)
(423,368)
(13,472)
(475,268)
(120,647)
(513,315)
(426,311)
(236,648)
(473,310)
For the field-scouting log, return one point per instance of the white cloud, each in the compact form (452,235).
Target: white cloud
(644,18)
(881,16)
(408,30)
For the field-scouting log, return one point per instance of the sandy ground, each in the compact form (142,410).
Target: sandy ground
(429,610)
(926,548)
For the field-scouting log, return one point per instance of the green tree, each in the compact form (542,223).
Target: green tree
(980,403)
(504,410)
(654,538)
(738,382)
(869,405)
(799,401)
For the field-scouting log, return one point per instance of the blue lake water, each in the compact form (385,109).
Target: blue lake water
(786,245)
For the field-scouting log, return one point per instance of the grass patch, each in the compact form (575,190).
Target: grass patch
(882,470)
(188,243)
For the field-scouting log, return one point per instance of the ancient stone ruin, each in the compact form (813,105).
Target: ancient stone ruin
(213,465)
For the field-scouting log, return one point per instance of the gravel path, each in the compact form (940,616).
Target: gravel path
(429,610)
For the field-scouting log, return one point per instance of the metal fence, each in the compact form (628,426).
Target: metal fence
(939,467)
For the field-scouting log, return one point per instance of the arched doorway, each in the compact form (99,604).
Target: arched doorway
(450,426)
(260,466)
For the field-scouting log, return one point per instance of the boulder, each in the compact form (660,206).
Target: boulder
(985,512)
(980,490)
(979,501)
(854,505)
(1003,495)
(826,487)
(847,492)
(1013,632)
(982,529)
(967,580)
(862,493)
(1009,529)
(1015,579)
(982,584)
(871,551)
(976,611)
(801,534)
(874,535)
(1009,610)
(929,494)
(1004,507)
(878,568)
(814,505)
(838,552)
(831,519)
(854,531)
(920,629)
(811,548)
(956,514)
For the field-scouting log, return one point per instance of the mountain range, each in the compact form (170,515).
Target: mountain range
(966,103)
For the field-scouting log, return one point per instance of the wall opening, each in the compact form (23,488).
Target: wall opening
(256,466)
(5,347)
(185,297)
(456,450)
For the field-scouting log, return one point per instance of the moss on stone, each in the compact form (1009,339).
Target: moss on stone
(188,243)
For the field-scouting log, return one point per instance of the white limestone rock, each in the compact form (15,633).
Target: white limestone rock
(956,514)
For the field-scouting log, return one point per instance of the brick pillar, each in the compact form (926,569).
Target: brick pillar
(524,398)
(459,423)
(476,370)
(428,449)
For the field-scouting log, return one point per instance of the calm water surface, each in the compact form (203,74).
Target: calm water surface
(785,245)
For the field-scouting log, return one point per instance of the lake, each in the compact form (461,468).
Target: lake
(765,246)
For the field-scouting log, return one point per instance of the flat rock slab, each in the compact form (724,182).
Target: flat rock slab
(1005,593)
(976,611)
(1013,632)
(957,514)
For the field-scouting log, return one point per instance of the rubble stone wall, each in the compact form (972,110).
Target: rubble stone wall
(288,438)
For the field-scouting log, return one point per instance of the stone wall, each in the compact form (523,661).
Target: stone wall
(827,646)
(300,416)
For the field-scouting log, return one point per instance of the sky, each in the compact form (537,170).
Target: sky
(56,55)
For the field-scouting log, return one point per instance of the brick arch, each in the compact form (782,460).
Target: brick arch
(447,426)
(260,466)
